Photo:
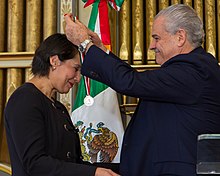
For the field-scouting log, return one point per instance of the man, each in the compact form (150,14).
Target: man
(178,102)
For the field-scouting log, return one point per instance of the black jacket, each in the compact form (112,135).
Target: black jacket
(41,137)
(177,102)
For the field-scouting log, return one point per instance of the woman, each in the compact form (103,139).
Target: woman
(41,137)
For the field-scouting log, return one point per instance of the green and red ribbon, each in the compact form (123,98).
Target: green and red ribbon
(101,7)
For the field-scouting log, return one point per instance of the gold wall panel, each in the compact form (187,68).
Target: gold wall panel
(125,31)
(150,13)
(14,80)
(163,4)
(50,17)
(188,2)
(218,30)
(4,156)
(198,6)
(1,114)
(33,24)
(28,74)
(15,25)
(113,28)
(175,1)
(210,27)
(2,24)
(137,31)
(1,95)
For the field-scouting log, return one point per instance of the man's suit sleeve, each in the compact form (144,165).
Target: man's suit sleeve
(179,83)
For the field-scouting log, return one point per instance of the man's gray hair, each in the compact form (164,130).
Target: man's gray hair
(180,16)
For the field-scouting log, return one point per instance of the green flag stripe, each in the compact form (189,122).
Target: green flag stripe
(119,2)
(95,88)
(93,16)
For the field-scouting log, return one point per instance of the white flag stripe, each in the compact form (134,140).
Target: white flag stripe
(97,26)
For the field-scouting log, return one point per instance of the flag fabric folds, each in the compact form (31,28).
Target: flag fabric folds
(98,119)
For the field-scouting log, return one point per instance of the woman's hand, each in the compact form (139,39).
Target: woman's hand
(105,172)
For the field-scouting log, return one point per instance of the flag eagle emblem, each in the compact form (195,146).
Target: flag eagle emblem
(101,142)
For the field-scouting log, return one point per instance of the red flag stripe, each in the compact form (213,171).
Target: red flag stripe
(104,22)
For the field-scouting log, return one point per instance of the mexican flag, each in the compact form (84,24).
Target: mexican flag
(98,118)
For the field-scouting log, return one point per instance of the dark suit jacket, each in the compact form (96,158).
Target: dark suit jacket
(177,102)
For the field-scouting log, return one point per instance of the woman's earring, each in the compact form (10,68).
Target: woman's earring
(53,68)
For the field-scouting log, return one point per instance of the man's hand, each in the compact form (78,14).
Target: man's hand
(105,172)
(76,32)
(96,40)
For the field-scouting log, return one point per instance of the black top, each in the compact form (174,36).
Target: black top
(41,137)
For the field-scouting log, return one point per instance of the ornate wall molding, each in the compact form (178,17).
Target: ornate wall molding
(16,59)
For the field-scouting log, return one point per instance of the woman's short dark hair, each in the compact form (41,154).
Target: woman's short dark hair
(56,44)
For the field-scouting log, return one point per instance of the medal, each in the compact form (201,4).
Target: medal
(88,100)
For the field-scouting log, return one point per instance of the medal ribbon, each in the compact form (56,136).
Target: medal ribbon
(86,79)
